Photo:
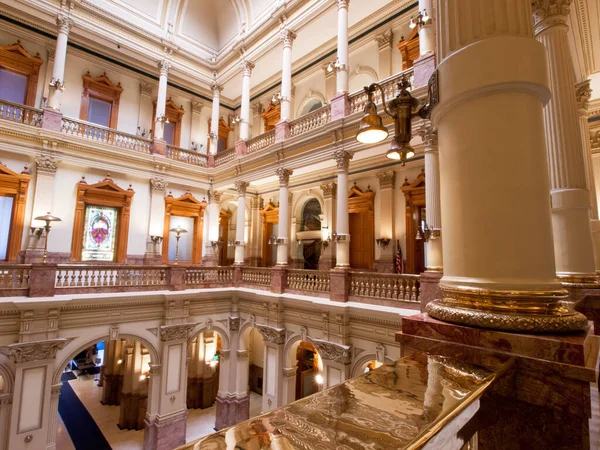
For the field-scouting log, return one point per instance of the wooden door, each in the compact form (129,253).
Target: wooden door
(267,255)
(361,242)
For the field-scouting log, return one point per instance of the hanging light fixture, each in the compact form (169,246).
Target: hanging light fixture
(421,20)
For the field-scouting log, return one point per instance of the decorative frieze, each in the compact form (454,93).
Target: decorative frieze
(342,159)
(329,190)
(387,179)
(271,334)
(35,351)
(284,176)
(175,332)
(47,165)
(331,351)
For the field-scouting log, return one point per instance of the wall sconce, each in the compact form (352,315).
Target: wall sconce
(234,243)
(372,130)
(424,232)
(141,131)
(162,118)
(276,98)
(421,19)
(156,239)
(195,146)
(178,232)
(236,119)
(38,232)
(339,237)
(57,84)
(144,377)
(216,244)
(335,64)
(212,135)
(383,242)
(120,361)
(48,218)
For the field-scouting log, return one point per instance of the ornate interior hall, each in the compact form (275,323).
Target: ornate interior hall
(292,224)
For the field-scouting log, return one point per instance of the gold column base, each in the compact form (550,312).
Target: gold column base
(521,311)
(591,281)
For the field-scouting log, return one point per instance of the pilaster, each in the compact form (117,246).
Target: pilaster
(327,260)
(384,256)
(273,364)
(336,361)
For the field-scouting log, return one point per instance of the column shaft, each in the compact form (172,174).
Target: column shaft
(247,67)
(432,200)
(240,246)
(283,225)
(427,31)
(161,101)
(214,121)
(342,253)
(64,24)
(286,75)
(342,46)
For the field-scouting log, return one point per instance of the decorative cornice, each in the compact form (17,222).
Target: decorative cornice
(247,68)
(241,187)
(549,13)
(47,165)
(175,332)
(331,351)
(387,179)
(284,176)
(329,190)
(164,66)
(583,95)
(158,184)
(287,36)
(271,334)
(385,40)
(342,160)
(36,350)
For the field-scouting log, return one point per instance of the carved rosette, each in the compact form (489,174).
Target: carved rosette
(385,40)
(271,334)
(342,159)
(216,89)
(287,37)
(549,13)
(47,165)
(387,179)
(145,88)
(247,68)
(329,190)
(158,184)
(583,94)
(234,324)
(284,176)
(241,187)
(35,351)
(196,107)
(330,351)
(64,23)
(175,332)
(164,66)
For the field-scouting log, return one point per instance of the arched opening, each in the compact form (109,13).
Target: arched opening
(309,236)
(105,395)
(250,369)
(370,365)
(311,105)
(308,374)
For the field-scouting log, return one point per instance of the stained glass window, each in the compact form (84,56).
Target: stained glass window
(99,233)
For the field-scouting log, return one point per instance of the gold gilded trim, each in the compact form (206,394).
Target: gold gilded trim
(580,281)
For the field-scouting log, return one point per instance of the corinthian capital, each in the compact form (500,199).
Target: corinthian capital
(287,36)
(47,165)
(549,13)
(214,196)
(284,176)
(583,94)
(329,189)
(385,40)
(247,68)
(216,89)
(64,23)
(241,187)
(164,67)
(343,4)
(342,159)
(429,137)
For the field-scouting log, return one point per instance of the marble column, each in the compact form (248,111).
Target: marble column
(240,227)
(57,84)
(385,256)
(247,68)
(283,226)
(583,94)
(214,121)
(497,274)
(342,226)
(196,135)
(161,102)
(327,259)
(145,110)
(211,257)
(385,43)
(340,105)
(426,31)
(282,129)
(570,199)
(156,221)
(432,199)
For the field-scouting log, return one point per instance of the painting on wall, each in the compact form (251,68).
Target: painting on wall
(99,233)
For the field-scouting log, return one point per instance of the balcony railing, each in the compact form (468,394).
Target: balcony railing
(105,135)
(14,277)
(187,156)
(203,276)
(384,286)
(358,99)
(224,156)
(256,276)
(308,280)
(20,113)
(79,276)
(261,141)
(310,121)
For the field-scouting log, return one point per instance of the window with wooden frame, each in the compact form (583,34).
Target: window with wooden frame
(362,228)
(100,101)
(414,196)
(101,224)
(13,199)
(270,220)
(224,130)
(176,210)
(19,73)
(174,115)
(409,49)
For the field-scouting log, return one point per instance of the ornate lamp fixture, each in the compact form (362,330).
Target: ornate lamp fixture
(424,232)
(335,64)
(274,240)
(162,118)
(236,119)
(372,130)
(421,19)
(48,218)
(57,84)
(216,244)
(156,239)
(276,98)
(178,232)
(383,242)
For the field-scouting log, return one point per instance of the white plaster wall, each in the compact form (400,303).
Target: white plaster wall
(309,87)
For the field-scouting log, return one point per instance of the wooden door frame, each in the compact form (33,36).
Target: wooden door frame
(186,206)
(16,59)
(414,196)
(270,215)
(100,88)
(224,130)
(175,115)
(224,216)
(104,193)
(409,49)
(360,202)
(15,185)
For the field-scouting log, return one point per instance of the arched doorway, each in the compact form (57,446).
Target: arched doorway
(309,236)
(203,370)
(253,381)
(307,370)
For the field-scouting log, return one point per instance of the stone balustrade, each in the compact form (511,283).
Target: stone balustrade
(196,276)
(121,276)
(261,141)
(310,121)
(187,156)
(256,276)
(389,86)
(14,278)
(308,280)
(225,156)
(389,288)
(20,113)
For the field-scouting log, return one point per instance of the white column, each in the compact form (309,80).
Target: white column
(570,199)
(327,260)
(240,227)
(161,102)
(43,199)
(342,254)
(497,228)
(156,220)
(287,36)
(196,126)
(427,31)
(432,199)
(214,121)
(247,67)
(210,256)
(583,94)
(385,43)
(283,225)
(255,231)
(57,84)
(385,257)
(48,75)
(145,110)
(342,46)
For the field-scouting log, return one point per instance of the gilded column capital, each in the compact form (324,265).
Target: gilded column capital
(158,184)
(145,88)
(176,332)
(329,190)
(385,40)
(287,36)
(387,179)
(164,67)
(216,89)
(549,13)
(196,107)
(47,165)
(583,94)
(272,334)
(241,187)
(36,350)
(330,351)
(284,176)
(342,159)
(64,23)
(247,68)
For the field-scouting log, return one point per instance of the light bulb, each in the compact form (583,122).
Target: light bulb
(425,16)
(120,361)
(319,379)
(329,68)
(412,24)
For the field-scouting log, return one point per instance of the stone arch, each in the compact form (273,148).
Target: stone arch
(232,202)
(308,102)
(214,327)
(289,350)
(8,379)
(300,201)
(360,77)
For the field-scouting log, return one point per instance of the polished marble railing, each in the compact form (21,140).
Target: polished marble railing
(389,85)
(308,280)
(97,133)
(76,276)
(225,156)
(187,156)
(20,113)
(384,286)
(261,141)
(208,275)
(310,121)
(256,276)
(14,276)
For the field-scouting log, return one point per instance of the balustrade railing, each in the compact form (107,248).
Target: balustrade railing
(261,141)
(208,275)
(310,121)
(187,156)
(385,286)
(224,156)
(20,113)
(97,133)
(14,276)
(389,86)
(74,276)
(308,280)
(256,276)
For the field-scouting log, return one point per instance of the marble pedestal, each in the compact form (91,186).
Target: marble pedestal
(165,433)
(241,148)
(339,284)
(52,119)
(278,279)
(428,291)
(541,400)
(340,106)
(159,147)
(231,411)
(282,131)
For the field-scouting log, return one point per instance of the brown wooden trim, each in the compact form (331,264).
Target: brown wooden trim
(175,114)
(100,88)
(360,202)
(15,58)
(270,215)
(14,185)
(186,206)
(224,217)
(104,193)
(271,116)
(224,130)
(409,49)
(414,195)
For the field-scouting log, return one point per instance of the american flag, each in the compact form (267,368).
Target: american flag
(399,259)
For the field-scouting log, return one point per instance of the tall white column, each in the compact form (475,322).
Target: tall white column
(570,199)
(426,31)
(196,126)
(583,94)
(342,46)
(283,225)
(432,199)
(161,102)
(499,267)
(342,253)
(211,258)
(287,36)
(240,227)
(156,220)
(247,67)
(214,121)
(57,84)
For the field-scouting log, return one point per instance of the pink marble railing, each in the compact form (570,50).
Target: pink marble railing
(80,276)
(308,280)
(261,141)
(225,156)
(358,99)
(188,156)
(97,133)
(310,121)
(256,276)
(385,286)
(208,275)
(20,113)
(14,276)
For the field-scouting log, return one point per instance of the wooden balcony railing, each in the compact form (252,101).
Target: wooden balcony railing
(261,141)
(310,121)
(97,133)
(224,156)
(20,113)
(187,156)
(384,286)
(359,99)
(308,280)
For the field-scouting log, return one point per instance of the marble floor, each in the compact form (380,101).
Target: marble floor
(200,422)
